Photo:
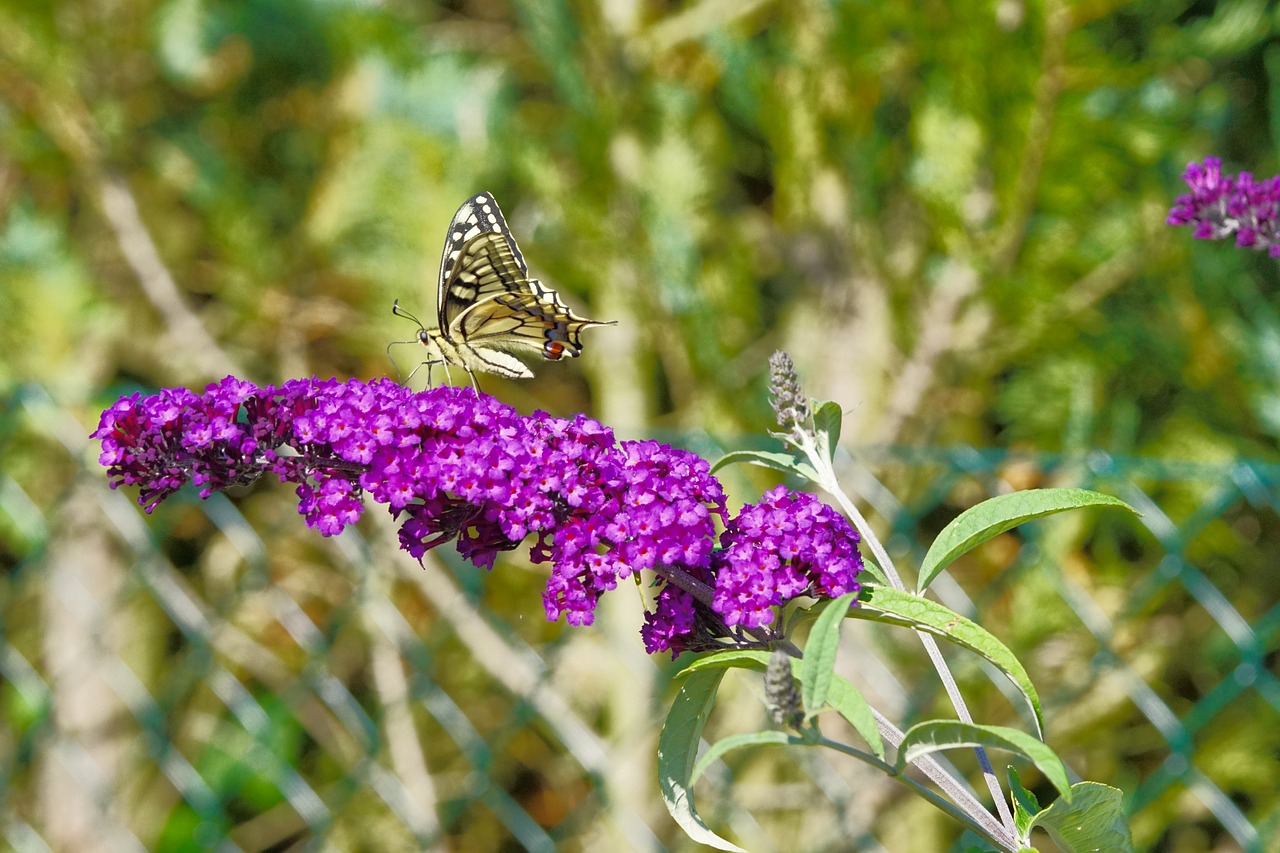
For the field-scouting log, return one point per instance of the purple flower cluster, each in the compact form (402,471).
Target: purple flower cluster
(656,513)
(789,544)
(452,464)
(1221,205)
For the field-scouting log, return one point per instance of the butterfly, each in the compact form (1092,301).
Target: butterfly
(487,307)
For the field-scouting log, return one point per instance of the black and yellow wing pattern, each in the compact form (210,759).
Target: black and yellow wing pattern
(487,306)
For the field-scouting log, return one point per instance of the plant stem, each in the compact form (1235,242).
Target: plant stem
(827,480)
(706,595)
(976,814)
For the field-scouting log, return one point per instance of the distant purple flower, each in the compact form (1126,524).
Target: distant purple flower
(451,464)
(1221,205)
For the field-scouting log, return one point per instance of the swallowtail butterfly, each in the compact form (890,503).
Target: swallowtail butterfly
(487,307)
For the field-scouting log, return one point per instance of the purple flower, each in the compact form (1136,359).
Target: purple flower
(451,464)
(1221,205)
(790,544)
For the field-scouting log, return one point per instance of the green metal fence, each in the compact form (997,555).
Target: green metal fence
(1178,612)
(215,676)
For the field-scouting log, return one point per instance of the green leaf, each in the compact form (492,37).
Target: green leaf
(827,420)
(784,462)
(677,748)
(733,659)
(873,569)
(894,607)
(937,735)
(852,705)
(842,695)
(719,748)
(992,517)
(1092,820)
(1025,804)
(820,653)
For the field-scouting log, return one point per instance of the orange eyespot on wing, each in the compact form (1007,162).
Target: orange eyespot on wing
(486,301)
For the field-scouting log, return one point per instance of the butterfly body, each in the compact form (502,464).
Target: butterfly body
(487,306)
(441,349)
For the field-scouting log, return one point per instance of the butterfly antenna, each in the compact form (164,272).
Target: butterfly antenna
(400,312)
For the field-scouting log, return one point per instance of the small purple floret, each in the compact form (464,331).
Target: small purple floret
(454,465)
(789,544)
(1219,206)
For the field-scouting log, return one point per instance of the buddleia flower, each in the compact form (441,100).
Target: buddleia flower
(790,406)
(454,465)
(1221,205)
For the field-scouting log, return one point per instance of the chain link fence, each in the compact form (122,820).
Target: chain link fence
(217,677)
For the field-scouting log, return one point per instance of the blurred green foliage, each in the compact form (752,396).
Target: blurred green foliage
(952,215)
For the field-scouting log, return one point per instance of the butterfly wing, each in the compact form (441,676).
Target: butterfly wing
(535,321)
(487,304)
(484,267)
(477,216)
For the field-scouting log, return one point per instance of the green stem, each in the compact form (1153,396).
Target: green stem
(827,480)
(980,821)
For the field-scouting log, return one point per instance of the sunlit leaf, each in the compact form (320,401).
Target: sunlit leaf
(992,517)
(720,747)
(894,607)
(827,418)
(783,462)
(1093,820)
(820,652)
(937,735)
(1025,804)
(677,749)
(852,705)
(846,699)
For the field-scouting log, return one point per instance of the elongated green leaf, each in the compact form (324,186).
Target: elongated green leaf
(894,607)
(1092,820)
(740,658)
(852,705)
(820,653)
(734,659)
(784,462)
(720,747)
(827,420)
(992,517)
(870,567)
(677,748)
(1025,804)
(841,694)
(937,735)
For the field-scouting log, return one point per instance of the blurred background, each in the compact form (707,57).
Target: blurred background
(951,214)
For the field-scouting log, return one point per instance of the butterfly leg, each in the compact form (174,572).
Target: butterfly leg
(427,364)
(475,386)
